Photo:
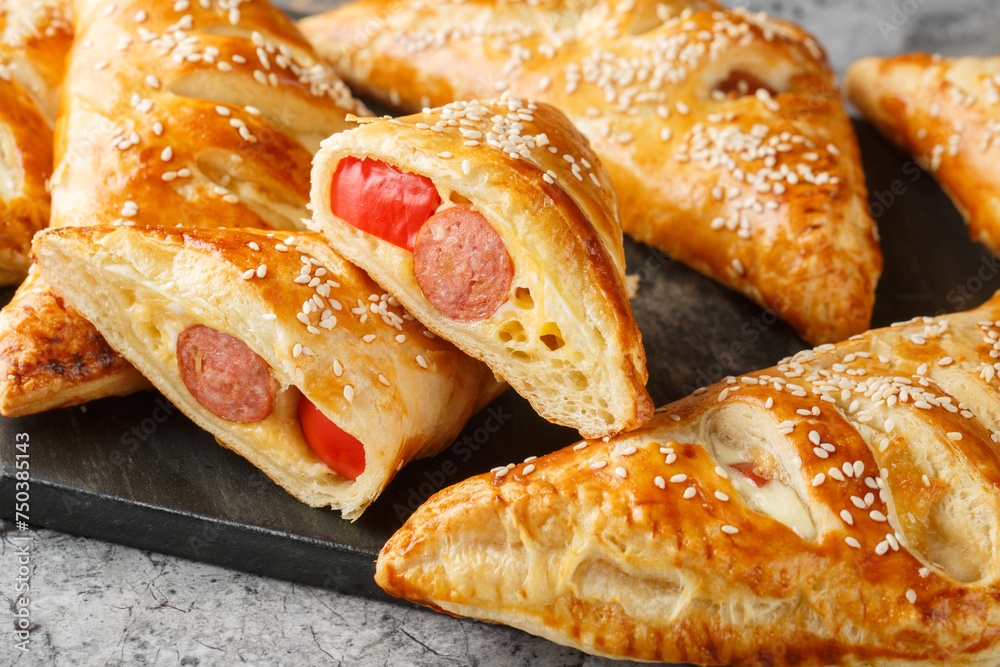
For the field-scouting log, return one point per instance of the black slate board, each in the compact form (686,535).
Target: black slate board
(135,471)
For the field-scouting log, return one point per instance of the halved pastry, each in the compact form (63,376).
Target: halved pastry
(34,38)
(287,354)
(724,132)
(946,113)
(842,507)
(496,226)
(192,113)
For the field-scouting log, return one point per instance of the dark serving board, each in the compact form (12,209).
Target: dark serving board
(135,471)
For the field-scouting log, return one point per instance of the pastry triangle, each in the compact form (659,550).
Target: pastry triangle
(516,257)
(841,507)
(188,113)
(724,132)
(280,317)
(945,113)
(34,39)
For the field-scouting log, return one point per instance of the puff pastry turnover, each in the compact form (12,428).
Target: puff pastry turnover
(508,245)
(723,131)
(174,114)
(841,507)
(34,39)
(236,326)
(945,112)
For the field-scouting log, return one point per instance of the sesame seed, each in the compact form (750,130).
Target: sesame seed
(659,481)
(877,516)
(678,479)
(248,274)
(729,530)
(580,446)
(818,479)
(852,542)
(911,596)
(421,361)
(528,469)
(223,111)
(368,338)
(846,516)
(671,457)
(349,393)
(598,465)
(689,493)
(954,435)
(621,472)
(721,496)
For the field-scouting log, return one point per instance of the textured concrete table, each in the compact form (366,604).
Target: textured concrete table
(95,603)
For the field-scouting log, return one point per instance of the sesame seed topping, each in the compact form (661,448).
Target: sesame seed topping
(421,361)
(689,493)
(678,479)
(660,482)
(852,542)
(911,596)
(621,472)
(721,496)
(597,465)
(349,393)
(729,530)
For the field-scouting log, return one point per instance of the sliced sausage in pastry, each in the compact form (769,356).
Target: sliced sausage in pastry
(496,226)
(287,354)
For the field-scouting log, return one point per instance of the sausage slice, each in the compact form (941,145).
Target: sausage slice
(461,264)
(224,375)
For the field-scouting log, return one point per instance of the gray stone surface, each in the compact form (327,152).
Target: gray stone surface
(95,603)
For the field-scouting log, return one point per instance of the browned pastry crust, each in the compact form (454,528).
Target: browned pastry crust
(945,113)
(34,39)
(372,371)
(173,114)
(565,337)
(876,540)
(762,192)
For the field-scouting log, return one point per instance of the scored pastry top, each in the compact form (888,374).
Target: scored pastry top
(200,113)
(841,506)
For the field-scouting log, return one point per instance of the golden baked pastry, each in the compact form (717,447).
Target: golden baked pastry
(841,507)
(174,114)
(945,112)
(34,39)
(723,131)
(496,226)
(250,333)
